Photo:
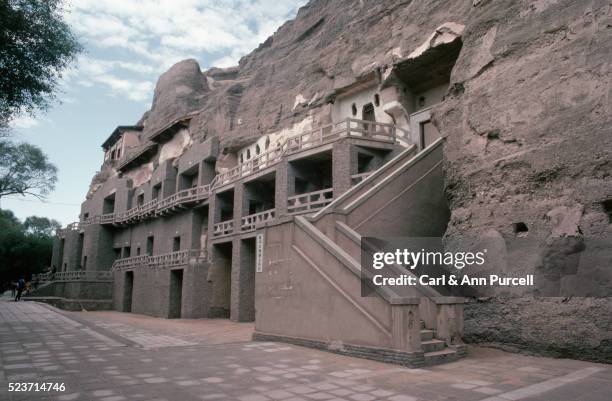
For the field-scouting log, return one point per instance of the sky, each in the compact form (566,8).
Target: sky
(128,44)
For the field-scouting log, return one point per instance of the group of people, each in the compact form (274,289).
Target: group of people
(19,287)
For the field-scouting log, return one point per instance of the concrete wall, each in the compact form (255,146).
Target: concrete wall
(151,293)
(342,107)
(306,291)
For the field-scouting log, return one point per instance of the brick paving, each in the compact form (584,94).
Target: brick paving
(116,357)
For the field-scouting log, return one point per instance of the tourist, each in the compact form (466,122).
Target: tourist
(20,288)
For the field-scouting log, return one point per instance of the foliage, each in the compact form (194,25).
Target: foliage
(24,250)
(25,170)
(41,226)
(36,45)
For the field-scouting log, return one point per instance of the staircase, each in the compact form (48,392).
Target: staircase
(436,351)
(319,271)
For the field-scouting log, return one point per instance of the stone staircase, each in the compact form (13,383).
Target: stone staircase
(320,272)
(436,351)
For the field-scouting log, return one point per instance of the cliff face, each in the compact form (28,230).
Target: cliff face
(529,156)
(527,120)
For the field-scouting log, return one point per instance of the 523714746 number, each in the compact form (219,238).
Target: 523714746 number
(36,387)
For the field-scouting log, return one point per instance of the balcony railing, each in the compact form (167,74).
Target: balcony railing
(92,275)
(251,221)
(146,209)
(347,128)
(223,228)
(133,261)
(310,201)
(171,259)
(108,218)
(42,277)
(179,258)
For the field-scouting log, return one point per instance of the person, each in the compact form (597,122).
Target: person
(13,289)
(20,287)
(28,287)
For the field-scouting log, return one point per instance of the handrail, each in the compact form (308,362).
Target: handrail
(170,259)
(251,221)
(82,275)
(349,127)
(357,178)
(223,228)
(310,200)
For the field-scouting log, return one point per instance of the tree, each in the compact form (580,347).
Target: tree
(23,251)
(41,226)
(25,170)
(36,45)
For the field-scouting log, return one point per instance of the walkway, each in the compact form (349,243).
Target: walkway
(108,356)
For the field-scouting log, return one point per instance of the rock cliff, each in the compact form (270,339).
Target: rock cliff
(527,119)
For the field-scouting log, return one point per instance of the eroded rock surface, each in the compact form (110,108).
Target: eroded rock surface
(527,119)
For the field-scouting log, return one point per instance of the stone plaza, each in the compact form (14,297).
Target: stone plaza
(114,356)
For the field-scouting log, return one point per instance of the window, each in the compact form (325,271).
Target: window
(150,242)
(354,109)
(377,100)
(176,244)
(156,192)
(257,150)
(267,142)
(248,154)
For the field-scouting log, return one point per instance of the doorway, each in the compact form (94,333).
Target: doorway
(367,114)
(220,276)
(247,280)
(423,132)
(128,288)
(176,294)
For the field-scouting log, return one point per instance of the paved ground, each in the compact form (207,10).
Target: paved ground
(107,356)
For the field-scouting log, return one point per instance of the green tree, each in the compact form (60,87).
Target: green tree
(41,226)
(36,45)
(25,170)
(23,251)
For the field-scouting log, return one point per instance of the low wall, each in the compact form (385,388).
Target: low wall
(75,295)
(305,295)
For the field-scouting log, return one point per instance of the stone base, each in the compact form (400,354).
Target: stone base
(74,304)
(408,359)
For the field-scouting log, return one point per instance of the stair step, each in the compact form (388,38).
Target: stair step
(433,345)
(427,335)
(439,357)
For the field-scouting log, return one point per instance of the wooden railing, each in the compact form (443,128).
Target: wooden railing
(223,228)
(251,221)
(310,201)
